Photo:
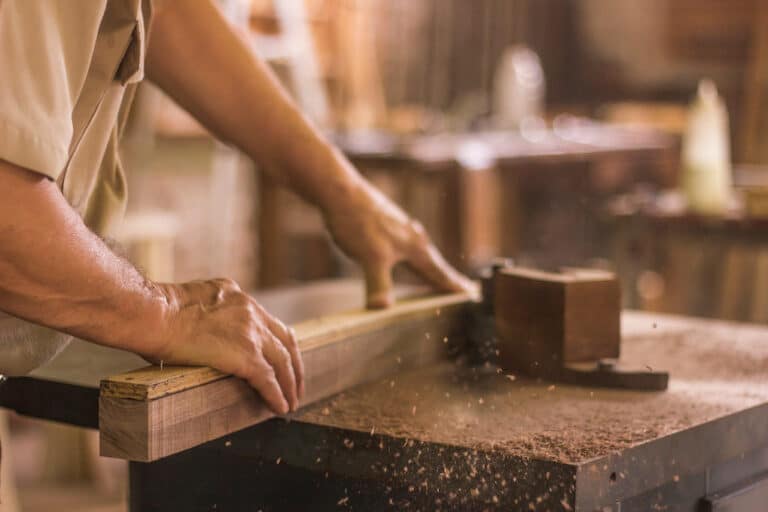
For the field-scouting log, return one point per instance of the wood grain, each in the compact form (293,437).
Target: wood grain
(546,319)
(151,413)
(153,382)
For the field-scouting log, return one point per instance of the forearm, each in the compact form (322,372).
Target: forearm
(54,271)
(196,57)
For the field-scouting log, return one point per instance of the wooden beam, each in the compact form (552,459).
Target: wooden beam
(150,413)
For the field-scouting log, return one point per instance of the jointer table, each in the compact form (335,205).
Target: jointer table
(454,437)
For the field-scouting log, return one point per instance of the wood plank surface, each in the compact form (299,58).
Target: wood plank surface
(155,382)
(151,413)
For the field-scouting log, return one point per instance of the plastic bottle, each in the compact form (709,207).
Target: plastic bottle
(518,91)
(706,158)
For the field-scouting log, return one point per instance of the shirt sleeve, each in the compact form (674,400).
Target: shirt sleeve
(45,52)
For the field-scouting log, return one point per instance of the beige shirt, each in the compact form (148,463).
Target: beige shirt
(68,73)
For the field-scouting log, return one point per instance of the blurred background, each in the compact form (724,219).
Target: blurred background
(605,133)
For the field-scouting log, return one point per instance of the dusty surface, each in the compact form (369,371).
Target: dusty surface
(716,369)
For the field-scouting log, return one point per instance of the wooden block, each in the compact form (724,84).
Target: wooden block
(148,414)
(545,320)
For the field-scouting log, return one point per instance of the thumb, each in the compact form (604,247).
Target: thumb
(378,285)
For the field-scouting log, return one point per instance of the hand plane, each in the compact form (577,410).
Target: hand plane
(563,326)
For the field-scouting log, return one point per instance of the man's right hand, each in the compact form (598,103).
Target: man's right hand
(215,323)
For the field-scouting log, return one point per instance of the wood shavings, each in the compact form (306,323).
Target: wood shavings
(714,372)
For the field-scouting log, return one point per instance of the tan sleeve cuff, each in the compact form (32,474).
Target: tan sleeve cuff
(31,149)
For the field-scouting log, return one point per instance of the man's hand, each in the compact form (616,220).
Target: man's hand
(215,323)
(378,234)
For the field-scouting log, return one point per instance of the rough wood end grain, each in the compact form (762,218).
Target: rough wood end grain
(155,382)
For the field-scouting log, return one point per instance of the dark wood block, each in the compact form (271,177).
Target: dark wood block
(546,319)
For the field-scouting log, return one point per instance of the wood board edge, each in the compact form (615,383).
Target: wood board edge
(153,381)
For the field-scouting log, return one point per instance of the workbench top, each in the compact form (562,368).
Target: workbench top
(471,437)
(716,369)
(573,139)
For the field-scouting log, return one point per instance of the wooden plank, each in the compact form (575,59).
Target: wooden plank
(155,382)
(151,413)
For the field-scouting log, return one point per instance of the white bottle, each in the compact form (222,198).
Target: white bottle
(706,158)
(518,89)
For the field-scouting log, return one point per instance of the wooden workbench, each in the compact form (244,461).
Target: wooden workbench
(451,437)
(479,194)
(703,265)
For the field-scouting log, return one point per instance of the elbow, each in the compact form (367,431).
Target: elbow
(25,346)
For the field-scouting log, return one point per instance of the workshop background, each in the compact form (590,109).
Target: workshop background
(602,133)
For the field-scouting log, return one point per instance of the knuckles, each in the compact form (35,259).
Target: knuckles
(291,340)
(285,356)
(228,284)
(419,234)
(247,322)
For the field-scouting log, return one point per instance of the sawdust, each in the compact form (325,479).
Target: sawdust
(715,370)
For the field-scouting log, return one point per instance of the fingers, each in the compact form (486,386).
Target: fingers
(288,338)
(427,260)
(265,382)
(210,292)
(378,285)
(279,359)
(257,346)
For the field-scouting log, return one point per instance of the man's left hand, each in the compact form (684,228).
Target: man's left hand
(378,234)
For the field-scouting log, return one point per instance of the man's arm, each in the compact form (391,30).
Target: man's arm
(198,59)
(55,272)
